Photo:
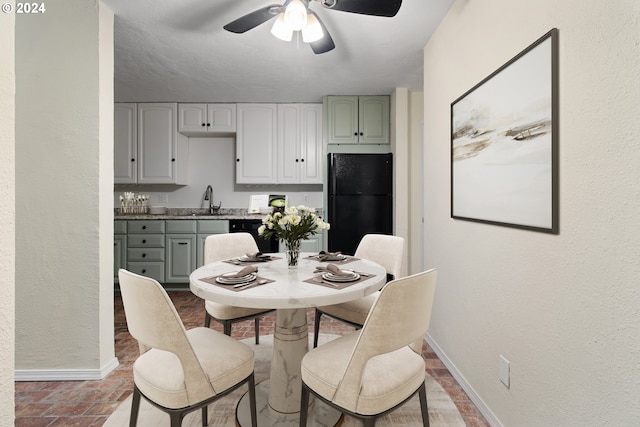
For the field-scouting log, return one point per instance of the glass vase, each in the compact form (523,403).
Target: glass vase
(293,252)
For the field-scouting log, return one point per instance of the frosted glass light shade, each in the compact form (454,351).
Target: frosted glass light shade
(281,30)
(295,15)
(313,30)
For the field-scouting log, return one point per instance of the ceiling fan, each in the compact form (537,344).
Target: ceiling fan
(295,15)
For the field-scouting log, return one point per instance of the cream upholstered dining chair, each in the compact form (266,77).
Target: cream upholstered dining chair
(218,247)
(383,249)
(179,371)
(373,371)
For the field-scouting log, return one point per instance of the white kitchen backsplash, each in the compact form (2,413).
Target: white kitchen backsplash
(212,162)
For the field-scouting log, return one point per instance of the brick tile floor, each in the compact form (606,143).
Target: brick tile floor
(89,403)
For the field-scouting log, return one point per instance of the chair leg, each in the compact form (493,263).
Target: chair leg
(304,405)
(423,405)
(316,330)
(176,419)
(257,327)
(369,422)
(227,327)
(207,319)
(135,407)
(205,416)
(252,401)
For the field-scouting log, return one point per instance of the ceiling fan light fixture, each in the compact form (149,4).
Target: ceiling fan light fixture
(281,30)
(313,30)
(295,15)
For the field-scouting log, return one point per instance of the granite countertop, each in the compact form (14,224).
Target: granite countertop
(192,213)
(195,213)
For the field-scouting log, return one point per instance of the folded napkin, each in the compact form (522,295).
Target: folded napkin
(333,269)
(258,256)
(245,271)
(329,256)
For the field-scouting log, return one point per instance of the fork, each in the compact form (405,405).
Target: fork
(325,282)
(248,285)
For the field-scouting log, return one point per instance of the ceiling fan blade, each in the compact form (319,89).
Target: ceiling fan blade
(253,19)
(325,44)
(387,8)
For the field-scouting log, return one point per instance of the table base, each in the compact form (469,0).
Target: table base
(319,413)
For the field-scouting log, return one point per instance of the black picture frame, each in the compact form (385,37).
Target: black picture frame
(504,143)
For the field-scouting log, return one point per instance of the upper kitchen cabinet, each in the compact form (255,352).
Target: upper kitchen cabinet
(206,119)
(125,143)
(147,146)
(256,143)
(358,119)
(300,157)
(161,158)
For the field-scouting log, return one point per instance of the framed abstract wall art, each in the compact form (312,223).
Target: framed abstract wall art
(504,143)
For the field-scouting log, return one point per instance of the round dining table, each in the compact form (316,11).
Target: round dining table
(291,291)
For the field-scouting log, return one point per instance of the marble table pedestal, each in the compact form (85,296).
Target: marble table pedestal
(278,399)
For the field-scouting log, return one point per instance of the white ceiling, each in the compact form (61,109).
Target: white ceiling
(177,50)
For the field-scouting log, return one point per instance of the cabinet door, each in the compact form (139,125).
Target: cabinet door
(373,119)
(119,254)
(256,144)
(311,148)
(221,118)
(300,157)
(157,143)
(125,143)
(343,119)
(192,118)
(289,147)
(181,257)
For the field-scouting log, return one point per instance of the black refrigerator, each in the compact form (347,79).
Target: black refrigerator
(359,198)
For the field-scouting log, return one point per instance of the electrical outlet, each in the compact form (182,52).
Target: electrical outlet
(163,198)
(504,371)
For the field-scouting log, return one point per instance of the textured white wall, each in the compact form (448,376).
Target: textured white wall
(564,309)
(63,268)
(7,217)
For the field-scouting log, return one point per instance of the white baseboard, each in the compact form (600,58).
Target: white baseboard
(482,407)
(66,374)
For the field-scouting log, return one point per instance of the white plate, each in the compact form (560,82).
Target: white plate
(234,280)
(336,278)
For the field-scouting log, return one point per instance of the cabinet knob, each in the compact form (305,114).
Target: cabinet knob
(144,241)
(144,227)
(237,160)
(208,124)
(144,270)
(133,160)
(173,160)
(203,125)
(355,133)
(144,255)
(361,133)
(302,160)
(182,243)
(296,160)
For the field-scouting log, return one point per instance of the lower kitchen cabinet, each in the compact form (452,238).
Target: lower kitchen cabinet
(181,257)
(119,247)
(165,250)
(180,250)
(145,248)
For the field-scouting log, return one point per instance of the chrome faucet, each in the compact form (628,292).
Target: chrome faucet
(208,195)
